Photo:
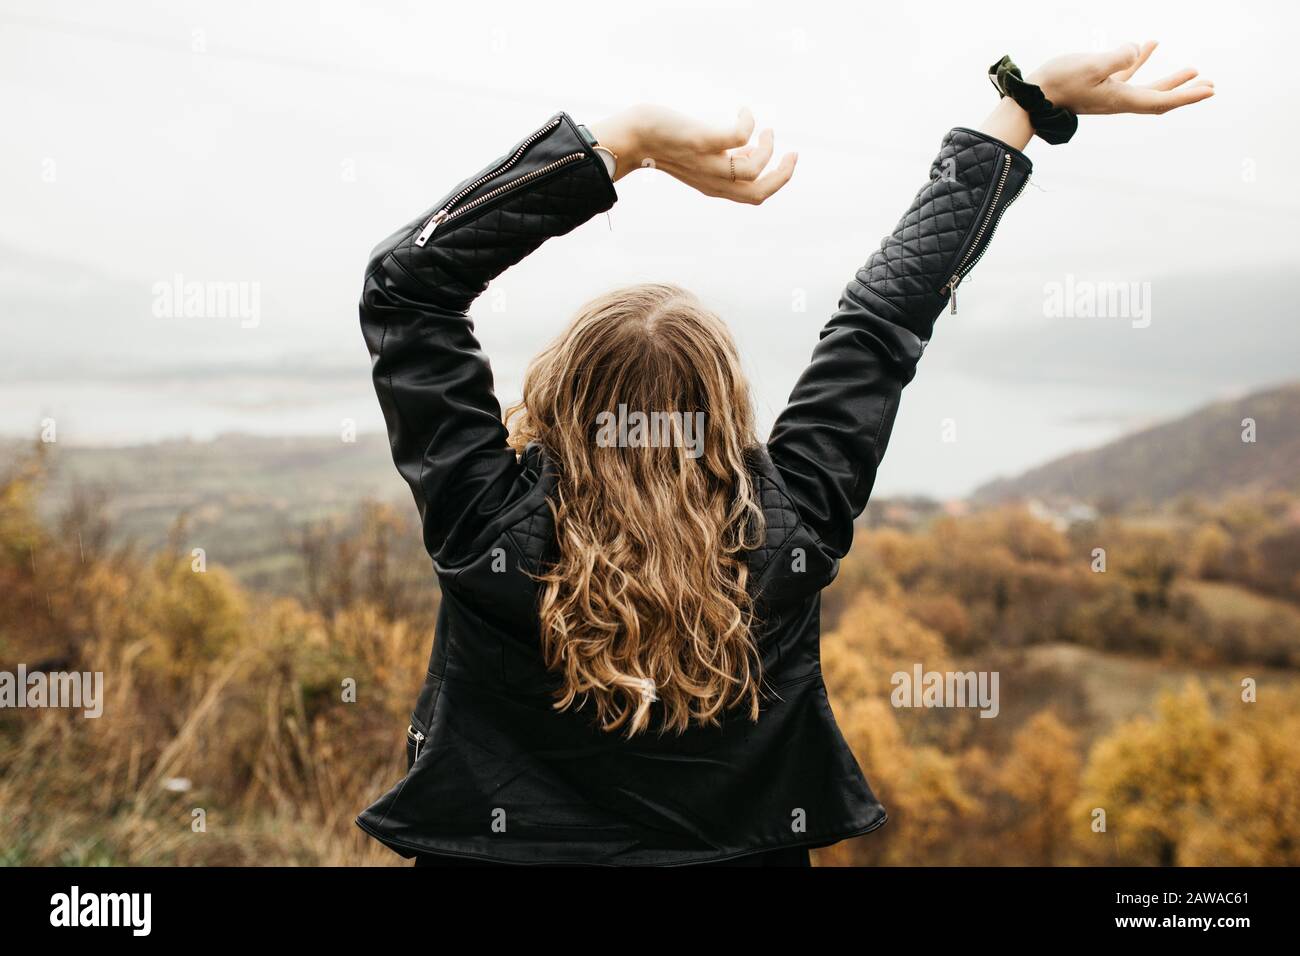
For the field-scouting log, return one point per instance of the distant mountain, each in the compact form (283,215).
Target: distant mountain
(1201,454)
(245,499)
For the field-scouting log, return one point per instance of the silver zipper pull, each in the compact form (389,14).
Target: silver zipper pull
(952,295)
(429,226)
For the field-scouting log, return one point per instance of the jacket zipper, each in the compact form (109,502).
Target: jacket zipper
(448,211)
(416,736)
(992,218)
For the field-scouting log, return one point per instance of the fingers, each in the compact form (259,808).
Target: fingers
(1173,80)
(744,127)
(752,160)
(1144,54)
(1141,99)
(769,184)
(723,162)
(752,192)
(749,161)
(731,137)
(1126,56)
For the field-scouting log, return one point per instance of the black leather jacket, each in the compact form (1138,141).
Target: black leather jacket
(495,772)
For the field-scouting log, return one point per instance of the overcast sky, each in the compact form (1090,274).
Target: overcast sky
(274,144)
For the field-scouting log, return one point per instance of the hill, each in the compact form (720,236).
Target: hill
(1201,454)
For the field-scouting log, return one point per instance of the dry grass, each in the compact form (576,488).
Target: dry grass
(230,708)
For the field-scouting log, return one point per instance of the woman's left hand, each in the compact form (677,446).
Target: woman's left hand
(717,161)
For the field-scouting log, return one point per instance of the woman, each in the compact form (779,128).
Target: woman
(625,668)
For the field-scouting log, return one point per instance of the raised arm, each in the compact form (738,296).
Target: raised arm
(829,441)
(433,380)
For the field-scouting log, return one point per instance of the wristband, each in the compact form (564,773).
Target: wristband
(607,155)
(1053,124)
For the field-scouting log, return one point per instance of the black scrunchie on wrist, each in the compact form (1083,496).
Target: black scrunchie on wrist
(1053,124)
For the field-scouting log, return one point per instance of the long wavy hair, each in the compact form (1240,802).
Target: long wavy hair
(645,614)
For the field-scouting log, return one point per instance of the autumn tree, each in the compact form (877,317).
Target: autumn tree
(1041,777)
(1152,779)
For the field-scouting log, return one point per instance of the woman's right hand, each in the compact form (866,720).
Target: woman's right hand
(717,161)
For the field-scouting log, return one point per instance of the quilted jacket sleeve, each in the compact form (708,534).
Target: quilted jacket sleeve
(433,381)
(829,440)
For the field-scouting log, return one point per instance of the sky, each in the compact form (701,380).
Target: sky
(271,145)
